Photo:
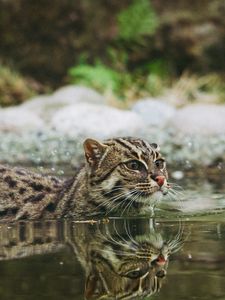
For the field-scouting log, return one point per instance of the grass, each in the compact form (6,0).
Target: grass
(122,88)
(14,89)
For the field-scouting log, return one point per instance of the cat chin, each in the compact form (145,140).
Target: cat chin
(152,199)
(150,203)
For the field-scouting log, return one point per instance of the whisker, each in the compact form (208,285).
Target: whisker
(125,197)
(113,240)
(132,193)
(135,243)
(175,185)
(127,229)
(121,253)
(110,201)
(134,199)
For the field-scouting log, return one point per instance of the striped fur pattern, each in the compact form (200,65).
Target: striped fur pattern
(26,195)
(120,176)
(122,259)
(122,264)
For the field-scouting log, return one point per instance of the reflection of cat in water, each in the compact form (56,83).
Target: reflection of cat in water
(124,259)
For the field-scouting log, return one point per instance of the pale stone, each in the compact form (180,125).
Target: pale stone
(40,104)
(99,121)
(74,93)
(154,112)
(200,119)
(18,119)
(46,106)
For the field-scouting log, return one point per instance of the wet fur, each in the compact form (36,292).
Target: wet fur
(104,185)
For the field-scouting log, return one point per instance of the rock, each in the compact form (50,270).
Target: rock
(18,119)
(46,106)
(99,121)
(154,112)
(73,93)
(40,104)
(51,129)
(200,119)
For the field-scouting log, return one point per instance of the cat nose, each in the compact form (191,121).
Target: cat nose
(160,180)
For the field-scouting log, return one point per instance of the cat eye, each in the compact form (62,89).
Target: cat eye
(134,274)
(137,273)
(160,163)
(135,165)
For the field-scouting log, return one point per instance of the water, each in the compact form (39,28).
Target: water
(178,254)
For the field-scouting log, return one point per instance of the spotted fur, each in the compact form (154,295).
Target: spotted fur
(107,184)
(121,259)
(25,195)
(121,262)
(120,175)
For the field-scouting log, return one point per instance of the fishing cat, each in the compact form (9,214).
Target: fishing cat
(120,174)
(122,259)
(127,261)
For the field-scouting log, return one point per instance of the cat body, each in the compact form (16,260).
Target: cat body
(120,175)
(26,195)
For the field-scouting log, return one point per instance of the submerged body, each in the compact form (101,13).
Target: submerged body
(121,174)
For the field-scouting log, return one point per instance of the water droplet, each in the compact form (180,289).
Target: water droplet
(177,175)
(60,172)
(188,164)
(220,166)
(54,152)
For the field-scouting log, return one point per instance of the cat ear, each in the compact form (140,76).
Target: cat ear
(94,151)
(155,146)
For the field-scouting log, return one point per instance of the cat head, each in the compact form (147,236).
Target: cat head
(137,282)
(126,262)
(126,171)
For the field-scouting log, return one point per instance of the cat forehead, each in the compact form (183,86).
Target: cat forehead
(135,147)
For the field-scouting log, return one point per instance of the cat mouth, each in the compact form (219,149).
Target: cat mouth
(146,194)
(150,198)
(143,197)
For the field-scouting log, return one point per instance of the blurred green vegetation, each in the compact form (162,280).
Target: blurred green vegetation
(116,75)
(136,20)
(120,83)
(127,86)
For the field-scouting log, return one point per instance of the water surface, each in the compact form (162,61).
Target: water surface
(178,254)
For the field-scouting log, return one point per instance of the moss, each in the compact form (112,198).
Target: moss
(14,89)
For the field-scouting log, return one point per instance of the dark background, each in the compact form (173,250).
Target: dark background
(43,39)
